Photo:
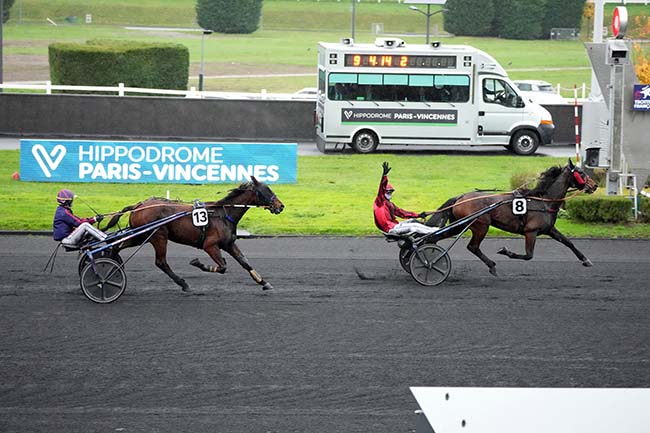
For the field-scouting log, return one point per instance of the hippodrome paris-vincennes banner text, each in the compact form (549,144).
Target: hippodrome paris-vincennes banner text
(156,162)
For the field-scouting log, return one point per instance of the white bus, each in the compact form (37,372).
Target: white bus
(391,93)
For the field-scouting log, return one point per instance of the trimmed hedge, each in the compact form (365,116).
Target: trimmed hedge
(110,62)
(601,209)
(229,16)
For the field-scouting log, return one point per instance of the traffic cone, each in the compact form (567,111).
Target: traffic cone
(15,176)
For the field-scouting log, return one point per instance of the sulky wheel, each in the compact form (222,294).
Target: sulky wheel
(105,282)
(84,260)
(405,257)
(430,265)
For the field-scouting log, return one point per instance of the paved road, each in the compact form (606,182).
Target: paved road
(334,348)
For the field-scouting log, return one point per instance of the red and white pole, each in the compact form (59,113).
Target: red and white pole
(577,123)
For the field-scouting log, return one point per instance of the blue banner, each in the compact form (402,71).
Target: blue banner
(641,97)
(156,162)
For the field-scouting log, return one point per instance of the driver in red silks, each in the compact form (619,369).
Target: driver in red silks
(386,212)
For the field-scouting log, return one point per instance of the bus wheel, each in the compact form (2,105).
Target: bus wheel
(365,142)
(524,142)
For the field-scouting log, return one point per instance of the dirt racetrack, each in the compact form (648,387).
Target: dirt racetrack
(334,348)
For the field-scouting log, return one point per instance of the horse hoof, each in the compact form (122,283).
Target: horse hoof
(493,271)
(267,286)
(502,250)
(587,263)
(195,262)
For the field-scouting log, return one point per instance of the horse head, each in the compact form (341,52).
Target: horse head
(265,197)
(580,180)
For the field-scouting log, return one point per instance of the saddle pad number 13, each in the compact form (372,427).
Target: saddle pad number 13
(519,206)
(200,217)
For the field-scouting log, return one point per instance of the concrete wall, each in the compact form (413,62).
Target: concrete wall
(165,118)
(154,117)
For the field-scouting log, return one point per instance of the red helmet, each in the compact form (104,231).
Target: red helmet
(65,197)
(389,187)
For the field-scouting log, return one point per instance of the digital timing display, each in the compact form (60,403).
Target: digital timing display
(399,61)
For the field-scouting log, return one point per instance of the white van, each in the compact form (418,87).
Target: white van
(391,93)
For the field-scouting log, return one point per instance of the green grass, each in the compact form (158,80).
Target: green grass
(333,195)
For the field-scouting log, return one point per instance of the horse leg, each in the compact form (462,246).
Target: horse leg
(478,234)
(160,247)
(531,237)
(555,234)
(236,253)
(215,254)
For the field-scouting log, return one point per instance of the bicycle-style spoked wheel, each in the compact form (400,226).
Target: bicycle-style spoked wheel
(105,282)
(430,265)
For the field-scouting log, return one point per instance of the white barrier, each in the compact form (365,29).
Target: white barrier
(47,87)
(533,410)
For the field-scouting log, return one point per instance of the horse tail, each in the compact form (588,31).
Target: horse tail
(113,221)
(444,214)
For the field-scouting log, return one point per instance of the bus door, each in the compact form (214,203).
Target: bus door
(498,111)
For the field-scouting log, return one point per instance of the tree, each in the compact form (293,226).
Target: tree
(229,16)
(462,17)
(520,19)
(562,14)
(6,5)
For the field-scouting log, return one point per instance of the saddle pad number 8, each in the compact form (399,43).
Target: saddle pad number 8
(519,206)
(200,217)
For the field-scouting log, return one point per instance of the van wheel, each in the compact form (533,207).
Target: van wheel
(524,142)
(365,142)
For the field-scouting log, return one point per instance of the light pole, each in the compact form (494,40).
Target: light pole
(427,14)
(205,32)
(353,16)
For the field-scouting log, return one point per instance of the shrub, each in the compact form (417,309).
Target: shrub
(229,16)
(462,18)
(613,209)
(108,63)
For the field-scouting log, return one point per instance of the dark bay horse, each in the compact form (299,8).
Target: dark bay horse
(219,234)
(543,203)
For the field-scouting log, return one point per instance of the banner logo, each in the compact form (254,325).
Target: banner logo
(48,161)
(641,97)
(156,162)
(399,116)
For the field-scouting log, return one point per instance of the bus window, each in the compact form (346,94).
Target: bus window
(452,88)
(340,86)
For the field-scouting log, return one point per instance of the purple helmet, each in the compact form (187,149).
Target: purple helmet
(65,197)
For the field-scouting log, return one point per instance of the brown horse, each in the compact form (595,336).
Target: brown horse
(220,233)
(543,203)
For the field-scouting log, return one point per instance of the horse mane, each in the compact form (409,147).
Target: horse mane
(235,192)
(544,182)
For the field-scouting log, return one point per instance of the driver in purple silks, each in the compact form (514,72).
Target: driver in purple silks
(386,212)
(69,228)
